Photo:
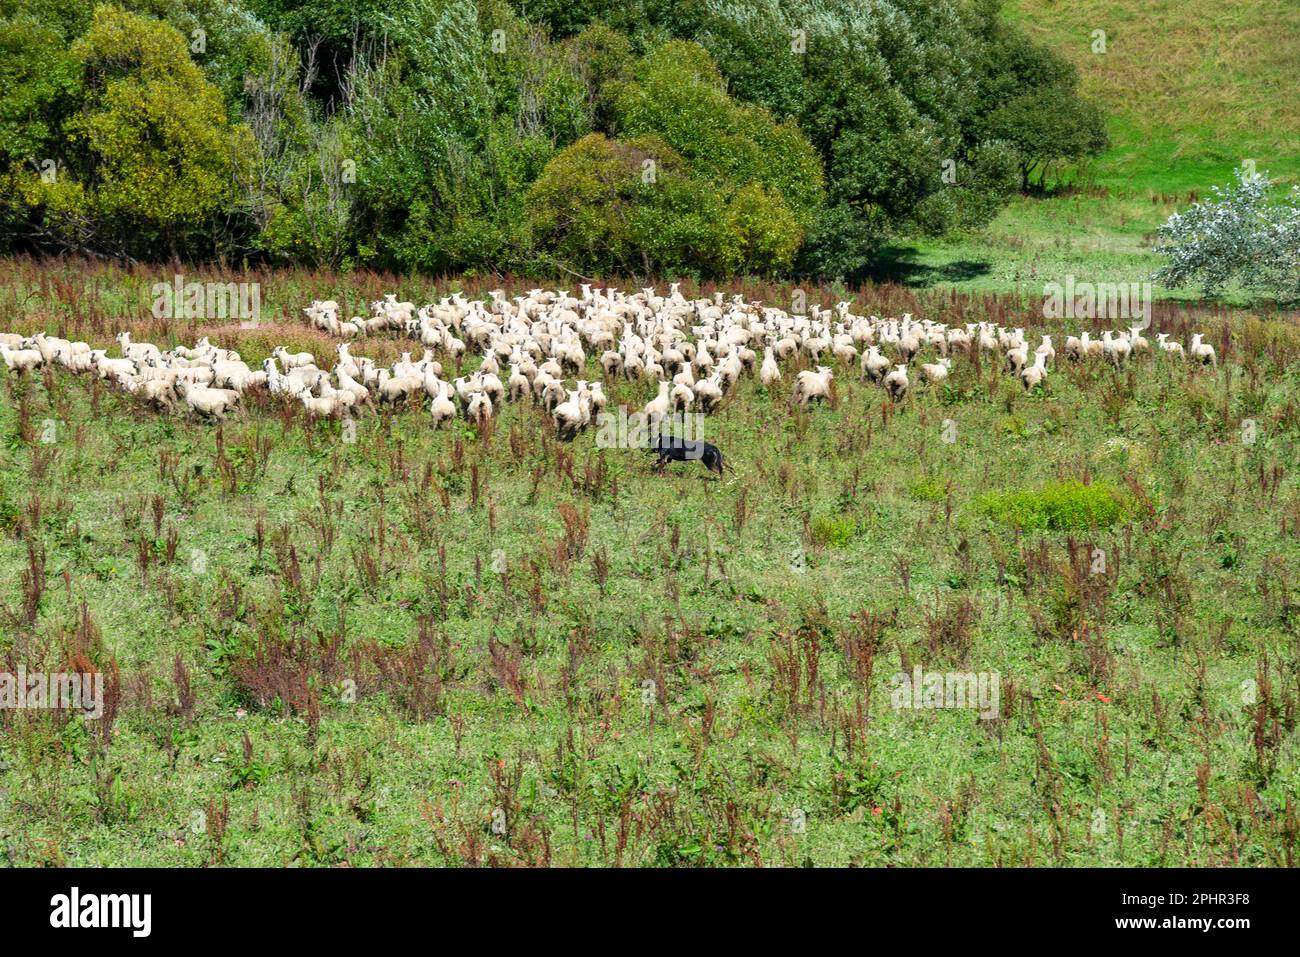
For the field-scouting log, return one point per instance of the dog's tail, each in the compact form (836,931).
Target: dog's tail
(720,463)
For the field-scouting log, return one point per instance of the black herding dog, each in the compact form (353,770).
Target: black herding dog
(686,450)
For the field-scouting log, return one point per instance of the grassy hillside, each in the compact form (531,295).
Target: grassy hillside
(1192,89)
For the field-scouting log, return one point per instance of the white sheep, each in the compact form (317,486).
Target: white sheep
(393,389)
(1114,348)
(896,383)
(1170,348)
(1203,352)
(935,372)
(571,415)
(139,350)
(293,360)
(1017,357)
(111,368)
(319,407)
(479,408)
(20,360)
(874,364)
(208,403)
(360,394)
(442,410)
(159,393)
(1047,350)
(708,393)
(770,373)
(1035,374)
(812,386)
(659,406)
(518,386)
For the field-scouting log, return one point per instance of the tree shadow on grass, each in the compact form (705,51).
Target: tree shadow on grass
(899,264)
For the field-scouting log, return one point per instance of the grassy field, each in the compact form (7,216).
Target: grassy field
(464,648)
(1192,90)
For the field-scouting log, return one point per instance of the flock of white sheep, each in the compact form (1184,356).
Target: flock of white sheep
(694,351)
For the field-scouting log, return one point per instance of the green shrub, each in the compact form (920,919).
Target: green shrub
(1245,233)
(1060,506)
(593,208)
(928,490)
(679,95)
(584,207)
(835,531)
(1013,425)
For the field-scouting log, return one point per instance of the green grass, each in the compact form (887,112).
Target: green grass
(1033,241)
(670,666)
(1192,90)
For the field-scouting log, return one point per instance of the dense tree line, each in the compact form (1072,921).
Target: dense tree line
(697,137)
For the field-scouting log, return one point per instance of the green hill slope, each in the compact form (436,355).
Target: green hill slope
(1193,88)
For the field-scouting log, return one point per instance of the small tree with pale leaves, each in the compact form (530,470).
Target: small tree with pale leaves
(1240,234)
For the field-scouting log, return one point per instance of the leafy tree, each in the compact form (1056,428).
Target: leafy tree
(604,61)
(68,18)
(1029,98)
(565,18)
(42,86)
(884,92)
(758,234)
(841,240)
(696,183)
(445,142)
(329,33)
(1240,235)
(149,157)
(1047,125)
